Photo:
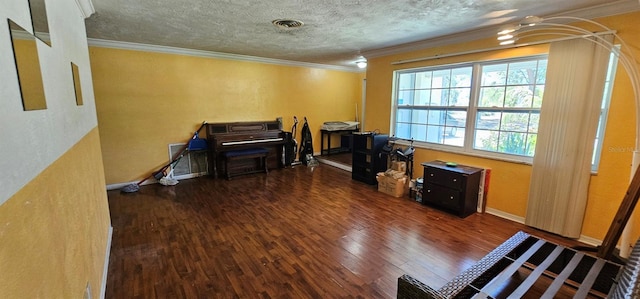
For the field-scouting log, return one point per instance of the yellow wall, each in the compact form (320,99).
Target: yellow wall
(509,185)
(28,65)
(147,100)
(54,230)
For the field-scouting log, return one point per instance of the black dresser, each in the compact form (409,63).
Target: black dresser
(454,189)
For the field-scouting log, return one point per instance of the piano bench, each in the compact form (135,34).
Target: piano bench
(245,154)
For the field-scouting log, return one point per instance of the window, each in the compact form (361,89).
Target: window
(432,105)
(486,108)
(508,109)
(606,99)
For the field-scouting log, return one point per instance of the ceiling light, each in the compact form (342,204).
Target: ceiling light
(507,29)
(507,42)
(361,63)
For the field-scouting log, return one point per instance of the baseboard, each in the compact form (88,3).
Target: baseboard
(584,239)
(105,270)
(334,164)
(590,241)
(504,215)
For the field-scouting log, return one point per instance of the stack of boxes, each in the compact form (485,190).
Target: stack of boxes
(393,181)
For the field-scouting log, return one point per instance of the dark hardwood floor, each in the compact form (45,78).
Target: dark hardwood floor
(294,233)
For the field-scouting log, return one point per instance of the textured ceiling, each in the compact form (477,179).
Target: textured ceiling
(335,32)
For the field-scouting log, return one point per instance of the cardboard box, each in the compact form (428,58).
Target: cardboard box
(394,173)
(391,186)
(399,166)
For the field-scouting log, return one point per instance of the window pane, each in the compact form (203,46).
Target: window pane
(456,119)
(419,116)
(459,97)
(423,80)
(404,115)
(461,77)
(422,97)
(515,122)
(406,81)
(405,97)
(523,72)
(418,130)
(486,140)
(491,97)
(531,145)
(519,96)
(441,79)
(512,143)
(542,71)
(439,97)
(436,117)
(488,120)
(403,130)
(534,119)
(537,97)
(454,136)
(493,75)
(434,134)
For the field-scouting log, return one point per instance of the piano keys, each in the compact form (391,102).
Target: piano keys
(223,137)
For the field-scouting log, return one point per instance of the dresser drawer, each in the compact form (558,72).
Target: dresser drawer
(441,196)
(443,177)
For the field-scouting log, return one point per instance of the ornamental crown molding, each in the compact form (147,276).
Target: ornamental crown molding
(86,7)
(598,11)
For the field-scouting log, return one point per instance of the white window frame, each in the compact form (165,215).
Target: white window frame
(604,113)
(472,110)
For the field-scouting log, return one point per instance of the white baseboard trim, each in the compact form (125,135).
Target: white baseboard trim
(504,215)
(589,240)
(105,270)
(334,164)
(584,239)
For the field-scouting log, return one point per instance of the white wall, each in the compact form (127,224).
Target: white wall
(32,140)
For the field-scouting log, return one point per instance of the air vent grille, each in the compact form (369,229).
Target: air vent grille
(193,164)
(287,23)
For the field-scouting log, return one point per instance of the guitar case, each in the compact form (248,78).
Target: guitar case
(306,147)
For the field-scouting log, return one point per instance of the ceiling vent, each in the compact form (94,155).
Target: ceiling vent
(287,24)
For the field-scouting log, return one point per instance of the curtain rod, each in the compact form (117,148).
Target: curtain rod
(497,48)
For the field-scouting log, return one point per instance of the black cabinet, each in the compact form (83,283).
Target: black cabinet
(454,189)
(367,160)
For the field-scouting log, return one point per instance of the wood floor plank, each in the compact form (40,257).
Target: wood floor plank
(294,233)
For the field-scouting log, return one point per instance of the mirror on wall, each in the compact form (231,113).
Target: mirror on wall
(25,53)
(40,20)
(76,84)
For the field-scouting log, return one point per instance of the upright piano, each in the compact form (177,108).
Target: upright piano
(223,137)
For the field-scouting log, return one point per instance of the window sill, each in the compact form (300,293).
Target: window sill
(445,149)
(471,154)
